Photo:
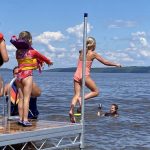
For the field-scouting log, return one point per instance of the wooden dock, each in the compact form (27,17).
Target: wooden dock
(50,134)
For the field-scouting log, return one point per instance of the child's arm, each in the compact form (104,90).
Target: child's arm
(41,57)
(104,61)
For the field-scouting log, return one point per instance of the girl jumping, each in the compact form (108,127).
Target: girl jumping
(90,56)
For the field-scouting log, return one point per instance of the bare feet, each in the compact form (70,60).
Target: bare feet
(80,103)
(71,114)
(72,118)
(79,110)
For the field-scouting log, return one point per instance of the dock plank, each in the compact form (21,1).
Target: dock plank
(12,133)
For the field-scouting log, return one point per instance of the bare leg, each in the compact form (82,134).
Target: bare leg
(1,86)
(77,89)
(92,86)
(20,109)
(94,91)
(20,97)
(27,88)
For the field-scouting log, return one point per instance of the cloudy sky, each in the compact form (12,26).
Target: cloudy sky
(121,29)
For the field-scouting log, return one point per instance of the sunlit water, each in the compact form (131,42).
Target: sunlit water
(130,131)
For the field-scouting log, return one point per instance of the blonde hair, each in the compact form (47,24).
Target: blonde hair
(25,35)
(91,43)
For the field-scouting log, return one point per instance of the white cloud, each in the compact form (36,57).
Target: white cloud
(46,37)
(145,53)
(121,24)
(74,56)
(140,40)
(137,53)
(119,56)
(62,55)
(143,41)
(77,33)
(115,38)
(138,34)
(78,30)
(134,50)
(10,48)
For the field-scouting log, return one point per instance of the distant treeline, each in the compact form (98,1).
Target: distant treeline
(132,69)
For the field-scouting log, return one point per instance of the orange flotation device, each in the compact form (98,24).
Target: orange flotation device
(30,64)
(14,94)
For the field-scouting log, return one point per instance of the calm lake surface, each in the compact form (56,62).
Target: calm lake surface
(130,131)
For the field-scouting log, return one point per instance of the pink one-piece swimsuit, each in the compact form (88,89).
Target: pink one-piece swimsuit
(78,73)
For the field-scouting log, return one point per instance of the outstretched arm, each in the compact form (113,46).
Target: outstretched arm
(104,61)
(41,57)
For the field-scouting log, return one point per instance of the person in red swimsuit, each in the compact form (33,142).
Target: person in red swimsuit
(28,60)
(90,84)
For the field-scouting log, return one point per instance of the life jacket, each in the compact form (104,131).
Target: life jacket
(28,63)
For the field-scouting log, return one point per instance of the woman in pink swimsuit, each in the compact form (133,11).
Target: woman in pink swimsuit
(94,91)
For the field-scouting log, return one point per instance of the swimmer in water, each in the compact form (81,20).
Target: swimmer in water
(113,111)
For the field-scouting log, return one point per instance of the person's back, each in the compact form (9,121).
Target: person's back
(89,60)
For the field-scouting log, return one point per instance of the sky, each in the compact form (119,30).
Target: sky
(121,29)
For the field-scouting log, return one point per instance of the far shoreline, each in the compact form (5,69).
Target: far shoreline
(130,69)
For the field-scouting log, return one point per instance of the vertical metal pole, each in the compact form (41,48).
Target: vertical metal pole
(83,78)
(4,102)
(2,82)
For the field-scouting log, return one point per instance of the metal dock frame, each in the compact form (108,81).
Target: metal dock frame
(61,135)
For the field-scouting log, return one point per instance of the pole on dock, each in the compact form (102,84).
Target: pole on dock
(83,78)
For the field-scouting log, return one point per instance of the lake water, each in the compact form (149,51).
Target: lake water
(130,131)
